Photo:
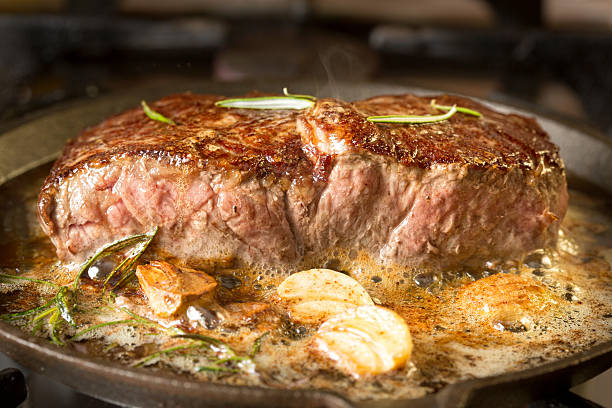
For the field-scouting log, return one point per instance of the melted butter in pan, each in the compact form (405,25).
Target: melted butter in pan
(464,323)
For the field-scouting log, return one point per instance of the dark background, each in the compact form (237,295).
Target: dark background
(554,56)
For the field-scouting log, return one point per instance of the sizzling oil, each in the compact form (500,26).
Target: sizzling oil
(449,344)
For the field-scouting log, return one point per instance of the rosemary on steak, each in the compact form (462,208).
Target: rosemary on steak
(289,101)
(155,115)
(415,119)
(412,119)
(460,109)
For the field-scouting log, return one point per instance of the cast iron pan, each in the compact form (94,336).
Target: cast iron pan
(38,140)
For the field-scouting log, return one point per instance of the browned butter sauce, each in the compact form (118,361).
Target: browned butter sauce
(510,316)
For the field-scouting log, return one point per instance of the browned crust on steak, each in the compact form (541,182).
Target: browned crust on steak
(247,140)
(493,140)
(275,178)
(266,141)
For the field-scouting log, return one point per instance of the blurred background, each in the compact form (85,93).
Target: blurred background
(554,56)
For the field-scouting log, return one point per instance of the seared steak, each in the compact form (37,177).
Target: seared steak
(270,186)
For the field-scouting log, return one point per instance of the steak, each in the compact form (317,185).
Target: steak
(272,186)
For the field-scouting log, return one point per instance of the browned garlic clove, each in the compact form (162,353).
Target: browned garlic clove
(316,294)
(366,340)
(170,288)
(504,301)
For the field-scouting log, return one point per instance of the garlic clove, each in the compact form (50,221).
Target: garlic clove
(366,340)
(323,284)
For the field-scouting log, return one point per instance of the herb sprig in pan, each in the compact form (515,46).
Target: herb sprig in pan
(125,267)
(220,357)
(60,308)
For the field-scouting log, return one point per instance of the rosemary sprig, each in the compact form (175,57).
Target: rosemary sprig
(133,258)
(168,350)
(155,115)
(289,101)
(407,119)
(60,308)
(143,321)
(218,344)
(267,102)
(257,344)
(231,362)
(54,322)
(115,247)
(461,109)
(100,325)
(110,347)
(63,307)
(204,339)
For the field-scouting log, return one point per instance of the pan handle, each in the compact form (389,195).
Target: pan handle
(12,387)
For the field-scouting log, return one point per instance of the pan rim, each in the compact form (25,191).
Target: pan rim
(97,365)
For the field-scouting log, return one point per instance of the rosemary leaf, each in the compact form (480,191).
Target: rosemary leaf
(170,331)
(45,313)
(407,119)
(309,97)
(139,250)
(446,108)
(54,322)
(117,268)
(142,320)
(172,349)
(111,249)
(267,102)
(110,347)
(7,276)
(209,340)
(257,344)
(63,307)
(218,369)
(37,327)
(126,278)
(201,337)
(155,115)
(98,326)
